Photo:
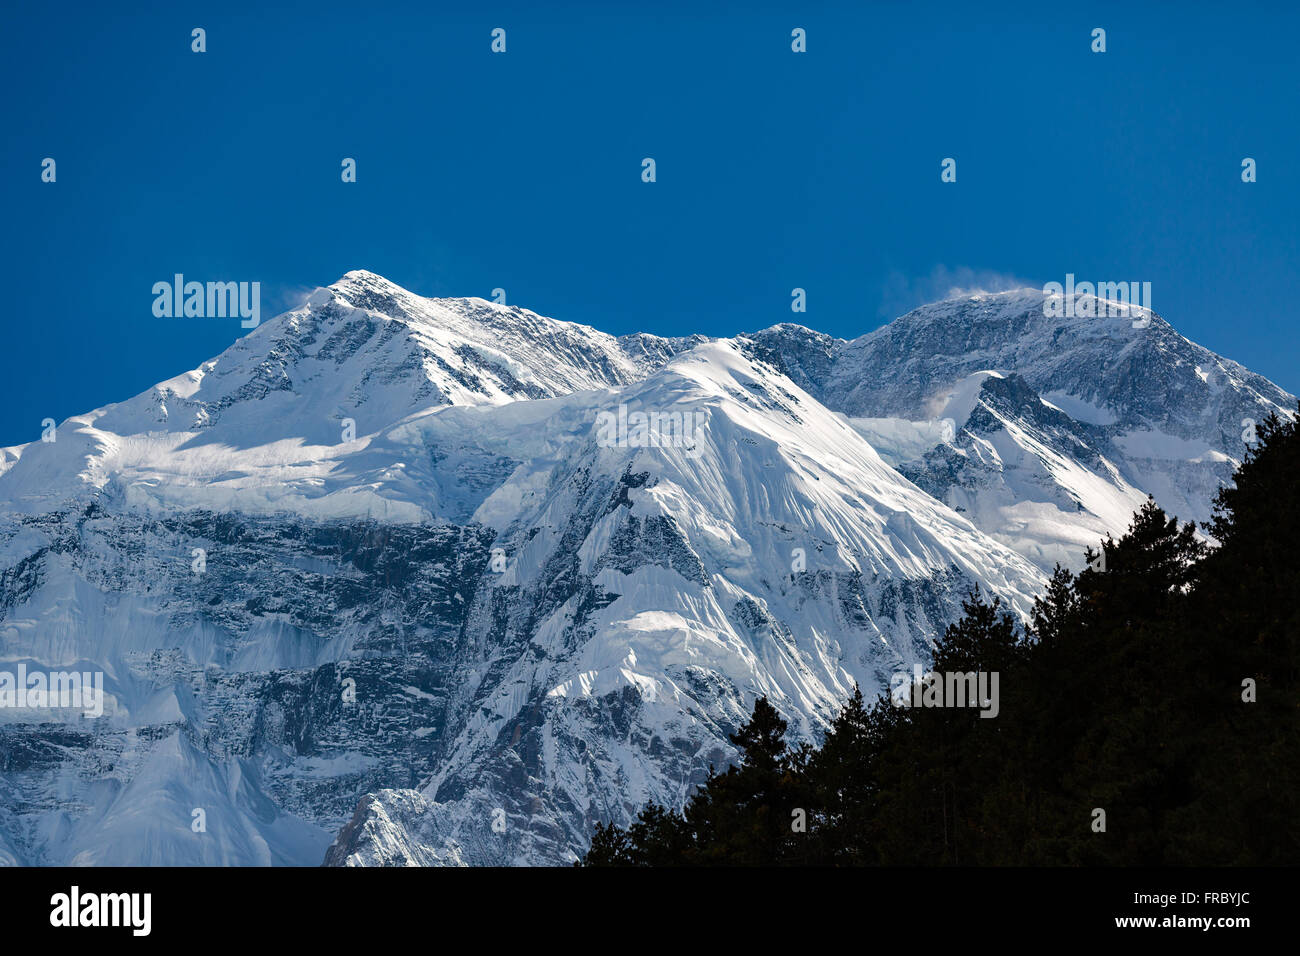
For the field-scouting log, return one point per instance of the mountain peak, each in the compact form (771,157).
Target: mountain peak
(363,277)
(1037,309)
(362,289)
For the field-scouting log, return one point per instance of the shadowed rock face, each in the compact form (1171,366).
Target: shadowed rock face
(470,632)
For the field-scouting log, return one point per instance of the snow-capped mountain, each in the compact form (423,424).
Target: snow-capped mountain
(1045,432)
(261,428)
(404,580)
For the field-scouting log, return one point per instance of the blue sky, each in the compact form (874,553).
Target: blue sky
(522,170)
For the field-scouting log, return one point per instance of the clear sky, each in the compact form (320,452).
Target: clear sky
(522,170)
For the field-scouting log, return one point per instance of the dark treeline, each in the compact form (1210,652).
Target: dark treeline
(1130,691)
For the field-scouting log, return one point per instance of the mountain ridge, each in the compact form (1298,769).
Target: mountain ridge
(540,627)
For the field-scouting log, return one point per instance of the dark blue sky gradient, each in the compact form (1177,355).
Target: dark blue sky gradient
(522,170)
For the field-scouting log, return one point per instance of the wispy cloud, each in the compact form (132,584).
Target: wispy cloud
(282,297)
(902,293)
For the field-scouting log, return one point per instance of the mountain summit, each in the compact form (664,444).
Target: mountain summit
(1046,432)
